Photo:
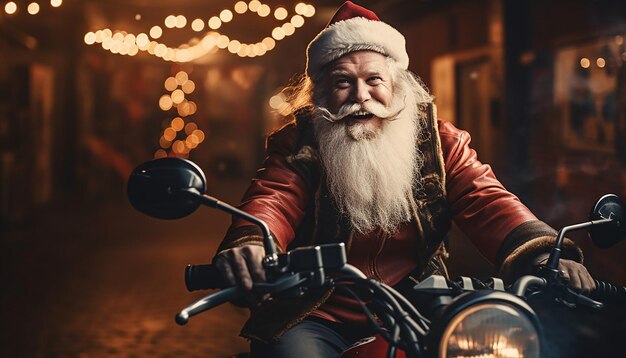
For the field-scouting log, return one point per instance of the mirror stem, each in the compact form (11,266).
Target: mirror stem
(271,257)
(555,254)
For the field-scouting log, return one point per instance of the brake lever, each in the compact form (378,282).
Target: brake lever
(557,283)
(572,298)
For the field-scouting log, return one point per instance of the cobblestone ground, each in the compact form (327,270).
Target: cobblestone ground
(107,281)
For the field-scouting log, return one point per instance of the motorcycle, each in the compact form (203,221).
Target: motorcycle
(434,318)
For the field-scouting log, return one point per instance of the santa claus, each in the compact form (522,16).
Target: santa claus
(366,162)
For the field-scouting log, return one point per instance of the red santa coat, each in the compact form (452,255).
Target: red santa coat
(465,190)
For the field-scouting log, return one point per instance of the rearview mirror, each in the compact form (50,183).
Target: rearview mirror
(154,187)
(610,206)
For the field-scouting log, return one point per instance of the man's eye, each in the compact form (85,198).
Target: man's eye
(374,79)
(342,83)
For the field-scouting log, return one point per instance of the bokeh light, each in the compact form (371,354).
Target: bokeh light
(226,15)
(56,3)
(177,124)
(280,13)
(10,8)
(156,32)
(33,8)
(241,7)
(197,25)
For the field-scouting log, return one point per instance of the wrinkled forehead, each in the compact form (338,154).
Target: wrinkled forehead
(357,62)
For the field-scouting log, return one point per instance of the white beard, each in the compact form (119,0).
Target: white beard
(371,171)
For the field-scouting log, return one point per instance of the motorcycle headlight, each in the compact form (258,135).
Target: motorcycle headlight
(489,325)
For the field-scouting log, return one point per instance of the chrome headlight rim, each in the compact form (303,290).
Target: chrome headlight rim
(468,300)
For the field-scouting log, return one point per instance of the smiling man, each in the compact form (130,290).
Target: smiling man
(367,163)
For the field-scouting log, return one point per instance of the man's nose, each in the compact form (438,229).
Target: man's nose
(361,92)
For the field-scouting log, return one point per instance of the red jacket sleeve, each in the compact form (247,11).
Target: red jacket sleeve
(482,208)
(277,194)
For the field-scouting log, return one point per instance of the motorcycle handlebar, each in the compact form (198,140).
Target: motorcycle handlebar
(607,292)
(203,277)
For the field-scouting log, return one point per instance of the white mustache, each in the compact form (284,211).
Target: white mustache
(372,106)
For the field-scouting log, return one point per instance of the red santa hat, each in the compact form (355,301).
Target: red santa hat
(355,28)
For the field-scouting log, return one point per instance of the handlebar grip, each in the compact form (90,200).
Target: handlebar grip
(203,277)
(607,292)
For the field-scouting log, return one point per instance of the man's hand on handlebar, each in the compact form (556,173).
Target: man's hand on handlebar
(577,275)
(242,266)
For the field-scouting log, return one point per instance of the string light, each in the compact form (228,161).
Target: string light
(176,127)
(211,42)
(10,8)
(33,7)
(156,32)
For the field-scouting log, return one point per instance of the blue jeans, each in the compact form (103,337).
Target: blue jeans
(311,338)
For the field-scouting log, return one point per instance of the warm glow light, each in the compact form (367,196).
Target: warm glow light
(197,25)
(600,62)
(178,96)
(160,50)
(181,77)
(278,33)
(165,102)
(199,134)
(309,11)
(138,17)
(254,5)
(619,40)
(242,50)
(297,21)
(177,124)
(178,147)
(215,22)
(193,107)
(192,141)
(188,86)
(107,43)
(234,46)
(183,108)
(33,8)
(288,28)
(169,134)
(259,49)
(208,42)
(181,21)
(170,21)
(280,13)
(127,43)
(170,84)
(190,127)
(226,15)
(264,10)
(142,41)
(160,154)
(152,47)
(129,39)
(90,38)
(133,50)
(156,32)
(56,3)
(250,51)
(269,43)
(301,8)
(222,41)
(241,7)
(584,62)
(10,8)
